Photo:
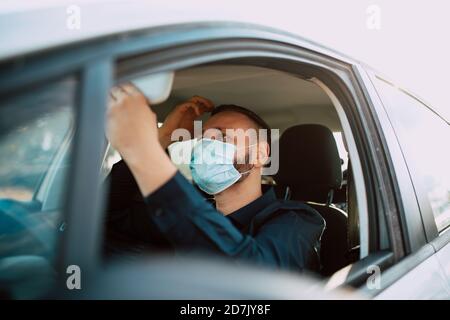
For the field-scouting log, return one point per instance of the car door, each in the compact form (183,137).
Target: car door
(420,134)
(442,247)
(50,151)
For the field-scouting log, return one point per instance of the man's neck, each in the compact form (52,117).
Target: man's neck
(238,195)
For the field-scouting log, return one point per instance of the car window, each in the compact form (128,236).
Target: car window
(36,129)
(424,138)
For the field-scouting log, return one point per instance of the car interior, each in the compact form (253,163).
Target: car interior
(318,172)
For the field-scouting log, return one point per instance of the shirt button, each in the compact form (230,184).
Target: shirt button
(158,212)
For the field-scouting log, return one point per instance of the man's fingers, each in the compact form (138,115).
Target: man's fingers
(186,106)
(197,104)
(197,109)
(131,89)
(205,104)
(117,93)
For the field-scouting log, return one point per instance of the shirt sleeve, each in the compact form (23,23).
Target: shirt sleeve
(190,222)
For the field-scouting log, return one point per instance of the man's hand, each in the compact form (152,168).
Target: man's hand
(183,116)
(131,128)
(131,124)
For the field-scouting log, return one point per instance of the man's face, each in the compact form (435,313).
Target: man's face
(238,129)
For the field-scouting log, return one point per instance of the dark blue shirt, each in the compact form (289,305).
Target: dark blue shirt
(267,231)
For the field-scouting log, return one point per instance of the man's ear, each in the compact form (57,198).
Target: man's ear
(263,154)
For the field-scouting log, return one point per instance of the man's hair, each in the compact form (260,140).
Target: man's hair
(260,123)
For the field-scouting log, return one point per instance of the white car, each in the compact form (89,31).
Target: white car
(388,218)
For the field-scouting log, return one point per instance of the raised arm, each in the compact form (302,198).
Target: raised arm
(179,211)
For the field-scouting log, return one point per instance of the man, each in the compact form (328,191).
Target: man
(244,224)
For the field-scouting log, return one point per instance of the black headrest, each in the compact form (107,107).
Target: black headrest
(309,162)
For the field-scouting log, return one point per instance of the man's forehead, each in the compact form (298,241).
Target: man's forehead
(228,120)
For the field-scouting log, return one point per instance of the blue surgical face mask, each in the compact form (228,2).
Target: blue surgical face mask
(212,165)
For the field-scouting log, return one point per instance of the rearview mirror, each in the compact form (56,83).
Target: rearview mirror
(156,87)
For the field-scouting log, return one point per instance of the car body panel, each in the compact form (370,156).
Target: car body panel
(425,281)
(51,17)
(443,256)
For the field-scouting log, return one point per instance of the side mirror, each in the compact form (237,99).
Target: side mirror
(156,87)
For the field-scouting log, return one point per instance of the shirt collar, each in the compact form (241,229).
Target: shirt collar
(244,215)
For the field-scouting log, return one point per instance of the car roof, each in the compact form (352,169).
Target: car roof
(41,25)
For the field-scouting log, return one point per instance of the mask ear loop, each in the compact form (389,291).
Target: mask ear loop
(248,171)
